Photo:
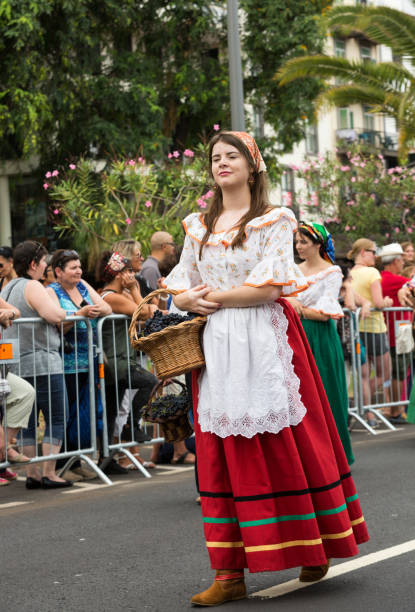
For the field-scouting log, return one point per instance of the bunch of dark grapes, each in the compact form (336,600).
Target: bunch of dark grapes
(160,321)
(168,406)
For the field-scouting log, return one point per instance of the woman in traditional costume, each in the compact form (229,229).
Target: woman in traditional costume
(275,485)
(318,307)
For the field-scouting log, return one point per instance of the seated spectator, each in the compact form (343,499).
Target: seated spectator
(77,298)
(19,404)
(121,291)
(392,282)
(408,252)
(41,367)
(7,272)
(131,249)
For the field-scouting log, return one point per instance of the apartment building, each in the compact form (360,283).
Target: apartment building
(335,130)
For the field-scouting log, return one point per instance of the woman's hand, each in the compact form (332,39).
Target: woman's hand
(297,305)
(194,300)
(92,311)
(387,302)
(128,280)
(365,310)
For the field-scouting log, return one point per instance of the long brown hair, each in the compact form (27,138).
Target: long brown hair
(259,193)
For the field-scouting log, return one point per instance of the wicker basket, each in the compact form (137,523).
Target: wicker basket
(176,427)
(176,349)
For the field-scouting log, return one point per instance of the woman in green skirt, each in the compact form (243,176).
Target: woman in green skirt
(317,307)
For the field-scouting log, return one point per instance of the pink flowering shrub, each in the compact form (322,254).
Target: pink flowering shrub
(129,198)
(358,195)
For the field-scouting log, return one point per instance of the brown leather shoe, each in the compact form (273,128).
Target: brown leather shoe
(220,592)
(313,573)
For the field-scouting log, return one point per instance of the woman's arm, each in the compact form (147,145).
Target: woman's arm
(244,296)
(314,315)
(377,297)
(6,306)
(204,300)
(40,300)
(121,303)
(102,307)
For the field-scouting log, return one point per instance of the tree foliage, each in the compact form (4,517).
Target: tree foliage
(388,88)
(275,31)
(104,78)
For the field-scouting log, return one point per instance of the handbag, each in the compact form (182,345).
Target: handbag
(404,341)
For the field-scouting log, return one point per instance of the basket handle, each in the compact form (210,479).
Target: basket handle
(157,387)
(148,298)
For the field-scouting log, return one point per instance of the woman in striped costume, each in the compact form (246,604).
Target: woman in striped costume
(275,484)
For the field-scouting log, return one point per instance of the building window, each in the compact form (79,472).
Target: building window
(259,130)
(366,53)
(311,139)
(368,119)
(339,47)
(345,119)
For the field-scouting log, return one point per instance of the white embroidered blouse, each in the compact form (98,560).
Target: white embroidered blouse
(322,294)
(248,385)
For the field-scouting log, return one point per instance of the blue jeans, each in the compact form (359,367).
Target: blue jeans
(55,415)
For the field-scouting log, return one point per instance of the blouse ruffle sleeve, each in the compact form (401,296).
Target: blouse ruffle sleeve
(328,302)
(185,274)
(277,266)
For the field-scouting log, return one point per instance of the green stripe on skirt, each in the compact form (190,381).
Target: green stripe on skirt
(326,347)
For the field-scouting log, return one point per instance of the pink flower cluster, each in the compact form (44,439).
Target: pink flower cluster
(202,200)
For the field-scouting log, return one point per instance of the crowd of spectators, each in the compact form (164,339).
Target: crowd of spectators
(49,388)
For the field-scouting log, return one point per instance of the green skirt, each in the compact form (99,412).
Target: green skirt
(325,344)
(411,408)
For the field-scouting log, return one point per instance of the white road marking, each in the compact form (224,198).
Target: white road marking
(170,470)
(337,570)
(12,504)
(82,487)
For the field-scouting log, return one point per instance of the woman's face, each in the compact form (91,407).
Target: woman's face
(49,276)
(6,266)
(306,248)
(409,253)
(37,270)
(229,166)
(137,260)
(71,273)
(368,256)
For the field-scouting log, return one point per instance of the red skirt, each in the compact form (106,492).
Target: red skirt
(277,501)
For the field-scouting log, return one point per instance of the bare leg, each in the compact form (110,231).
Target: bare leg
(32,471)
(11,434)
(49,466)
(180,450)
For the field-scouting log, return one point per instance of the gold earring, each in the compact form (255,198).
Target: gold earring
(251,180)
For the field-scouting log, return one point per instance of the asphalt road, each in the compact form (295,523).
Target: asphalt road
(138,546)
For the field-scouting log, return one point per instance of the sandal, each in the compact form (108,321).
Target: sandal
(18,458)
(182,459)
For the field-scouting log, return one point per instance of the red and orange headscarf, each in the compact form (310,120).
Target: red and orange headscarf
(252,147)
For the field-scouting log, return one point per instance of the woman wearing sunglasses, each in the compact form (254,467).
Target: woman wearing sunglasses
(366,282)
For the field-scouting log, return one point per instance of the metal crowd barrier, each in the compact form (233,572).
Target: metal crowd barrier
(380,377)
(10,355)
(122,390)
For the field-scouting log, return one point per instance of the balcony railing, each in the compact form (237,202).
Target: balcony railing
(373,138)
